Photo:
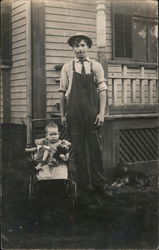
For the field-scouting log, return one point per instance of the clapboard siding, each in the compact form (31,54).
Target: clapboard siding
(17,4)
(18,23)
(18,57)
(18,50)
(68,12)
(18,30)
(18,10)
(20,69)
(91,2)
(68,26)
(62,20)
(18,37)
(17,17)
(70,20)
(18,116)
(65,32)
(58,40)
(18,108)
(18,72)
(59,53)
(18,44)
(74,5)
(20,63)
(55,46)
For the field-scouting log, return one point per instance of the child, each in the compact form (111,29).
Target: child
(50,152)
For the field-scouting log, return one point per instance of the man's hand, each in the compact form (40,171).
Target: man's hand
(99,120)
(63,121)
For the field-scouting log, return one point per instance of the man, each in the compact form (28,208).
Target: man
(83,100)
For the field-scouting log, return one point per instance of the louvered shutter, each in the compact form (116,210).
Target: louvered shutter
(123,35)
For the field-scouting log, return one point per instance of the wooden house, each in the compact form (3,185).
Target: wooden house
(124,33)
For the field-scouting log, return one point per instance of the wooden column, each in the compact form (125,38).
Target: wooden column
(150,89)
(133,90)
(38,59)
(124,85)
(29,70)
(101,39)
(6,40)
(101,24)
(142,84)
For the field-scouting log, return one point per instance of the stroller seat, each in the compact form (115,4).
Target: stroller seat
(50,181)
(53,173)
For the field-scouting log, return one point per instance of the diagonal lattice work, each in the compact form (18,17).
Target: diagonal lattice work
(138,144)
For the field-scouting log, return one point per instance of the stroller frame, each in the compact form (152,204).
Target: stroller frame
(70,183)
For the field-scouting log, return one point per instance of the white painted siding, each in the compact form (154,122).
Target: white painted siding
(18,72)
(63,19)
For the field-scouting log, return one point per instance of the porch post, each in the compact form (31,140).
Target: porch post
(29,70)
(101,39)
(101,24)
(6,52)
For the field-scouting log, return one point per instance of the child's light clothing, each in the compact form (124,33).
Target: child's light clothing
(59,172)
(44,144)
(51,169)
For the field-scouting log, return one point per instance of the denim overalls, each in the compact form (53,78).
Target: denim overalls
(82,109)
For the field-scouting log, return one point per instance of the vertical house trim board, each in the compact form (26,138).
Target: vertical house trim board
(6,41)
(38,60)
(101,24)
(6,94)
(29,69)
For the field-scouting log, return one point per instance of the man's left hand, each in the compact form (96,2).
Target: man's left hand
(99,120)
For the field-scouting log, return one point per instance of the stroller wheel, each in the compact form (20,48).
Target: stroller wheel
(73,193)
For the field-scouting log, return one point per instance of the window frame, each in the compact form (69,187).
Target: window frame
(133,16)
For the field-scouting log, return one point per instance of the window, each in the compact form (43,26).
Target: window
(135,30)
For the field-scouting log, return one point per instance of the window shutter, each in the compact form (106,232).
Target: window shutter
(128,36)
(119,35)
(123,35)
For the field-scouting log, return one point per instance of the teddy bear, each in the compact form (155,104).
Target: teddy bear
(62,152)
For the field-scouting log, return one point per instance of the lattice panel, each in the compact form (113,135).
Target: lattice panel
(138,145)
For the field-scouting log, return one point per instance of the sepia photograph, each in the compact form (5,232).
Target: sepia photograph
(79,124)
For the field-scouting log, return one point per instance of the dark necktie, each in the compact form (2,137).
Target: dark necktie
(83,69)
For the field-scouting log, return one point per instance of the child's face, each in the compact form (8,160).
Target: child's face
(52,134)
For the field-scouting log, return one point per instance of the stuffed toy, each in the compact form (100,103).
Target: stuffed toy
(62,152)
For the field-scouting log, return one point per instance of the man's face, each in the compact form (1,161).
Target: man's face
(81,49)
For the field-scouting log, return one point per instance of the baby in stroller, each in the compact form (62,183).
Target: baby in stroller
(51,154)
(51,184)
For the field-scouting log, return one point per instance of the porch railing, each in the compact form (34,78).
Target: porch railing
(129,93)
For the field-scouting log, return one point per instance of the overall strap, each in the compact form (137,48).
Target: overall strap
(73,65)
(91,68)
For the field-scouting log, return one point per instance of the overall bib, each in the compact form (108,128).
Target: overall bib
(82,109)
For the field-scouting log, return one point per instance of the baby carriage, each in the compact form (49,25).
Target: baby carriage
(59,190)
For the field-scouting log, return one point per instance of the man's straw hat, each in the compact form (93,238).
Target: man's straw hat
(80,35)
